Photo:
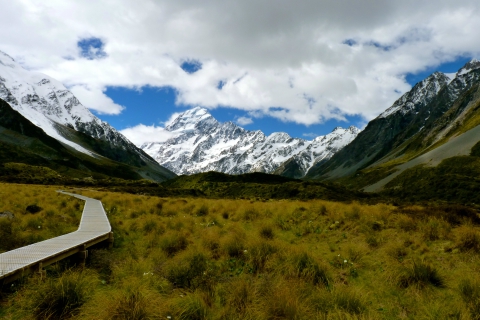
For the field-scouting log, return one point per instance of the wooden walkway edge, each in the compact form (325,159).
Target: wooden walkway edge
(94,228)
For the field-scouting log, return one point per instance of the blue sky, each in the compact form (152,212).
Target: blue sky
(154,106)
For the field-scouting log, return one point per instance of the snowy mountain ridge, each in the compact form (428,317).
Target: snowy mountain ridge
(201,143)
(49,105)
(424,91)
(46,103)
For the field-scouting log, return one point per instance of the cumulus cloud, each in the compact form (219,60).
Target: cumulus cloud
(95,99)
(305,61)
(243,121)
(141,134)
(310,135)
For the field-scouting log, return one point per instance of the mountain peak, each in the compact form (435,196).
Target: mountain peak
(196,118)
(419,95)
(6,60)
(469,66)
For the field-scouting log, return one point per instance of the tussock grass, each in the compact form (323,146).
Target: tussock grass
(191,307)
(468,239)
(58,298)
(470,292)
(304,266)
(419,273)
(257,259)
(173,243)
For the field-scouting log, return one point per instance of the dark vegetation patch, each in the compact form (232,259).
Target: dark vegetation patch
(33,208)
(454,214)
(455,180)
(262,186)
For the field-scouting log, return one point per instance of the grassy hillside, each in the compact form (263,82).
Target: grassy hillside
(240,259)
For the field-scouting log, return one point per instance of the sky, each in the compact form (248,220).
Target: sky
(302,67)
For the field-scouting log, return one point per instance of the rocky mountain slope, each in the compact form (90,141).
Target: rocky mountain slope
(47,104)
(429,134)
(201,144)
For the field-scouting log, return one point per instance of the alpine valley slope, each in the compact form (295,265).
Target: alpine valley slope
(425,146)
(47,104)
(200,143)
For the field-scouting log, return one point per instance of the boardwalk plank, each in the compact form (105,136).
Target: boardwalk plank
(94,226)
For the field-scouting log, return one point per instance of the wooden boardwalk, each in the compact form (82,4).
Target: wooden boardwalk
(94,228)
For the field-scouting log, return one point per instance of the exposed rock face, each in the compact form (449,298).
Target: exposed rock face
(201,143)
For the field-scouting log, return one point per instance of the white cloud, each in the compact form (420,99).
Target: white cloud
(243,121)
(95,99)
(267,53)
(141,134)
(310,135)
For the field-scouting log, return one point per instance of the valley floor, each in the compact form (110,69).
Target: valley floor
(185,258)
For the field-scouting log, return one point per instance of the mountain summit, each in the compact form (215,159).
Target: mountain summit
(201,143)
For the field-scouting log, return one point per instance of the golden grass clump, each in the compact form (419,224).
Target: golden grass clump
(468,239)
(57,298)
(419,274)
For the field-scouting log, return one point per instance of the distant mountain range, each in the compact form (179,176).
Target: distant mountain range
(200,143)
(85,143)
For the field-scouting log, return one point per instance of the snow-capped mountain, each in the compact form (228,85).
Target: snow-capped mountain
(46,103)
(201,143)
(421,94)
(414,123)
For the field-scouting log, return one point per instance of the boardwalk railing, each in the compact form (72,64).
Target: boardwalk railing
(94,228)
